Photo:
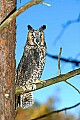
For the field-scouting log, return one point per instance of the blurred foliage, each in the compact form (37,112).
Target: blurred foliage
(38,110)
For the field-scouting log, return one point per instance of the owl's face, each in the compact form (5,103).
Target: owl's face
(36,37)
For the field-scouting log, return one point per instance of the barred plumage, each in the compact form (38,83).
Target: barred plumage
(31,64)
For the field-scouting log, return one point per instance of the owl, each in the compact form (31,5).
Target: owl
(31,65)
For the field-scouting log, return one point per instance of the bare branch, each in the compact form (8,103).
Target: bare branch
(44,3)
(51,81)
(59,70)
(72,86)
(65,26)
(57,111)
(17,12)
(72,61)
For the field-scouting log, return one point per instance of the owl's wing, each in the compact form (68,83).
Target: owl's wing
(27,64)
(23,73)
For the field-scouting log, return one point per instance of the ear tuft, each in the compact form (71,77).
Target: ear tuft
(29,27)
(42,28)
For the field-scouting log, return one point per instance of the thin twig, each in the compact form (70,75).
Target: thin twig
(65,26)
(72,86)
(59,69)
(44,3)
(57,79)
(72,61)
(57,111)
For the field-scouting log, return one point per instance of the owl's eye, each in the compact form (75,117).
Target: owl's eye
(32,36)
(40,35)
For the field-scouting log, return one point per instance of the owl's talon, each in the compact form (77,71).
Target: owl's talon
(23,87)
(30,86)
(33,86)
(43,82)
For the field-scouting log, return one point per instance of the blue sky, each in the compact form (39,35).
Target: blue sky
(54,17)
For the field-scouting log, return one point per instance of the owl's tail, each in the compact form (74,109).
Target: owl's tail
(25,100)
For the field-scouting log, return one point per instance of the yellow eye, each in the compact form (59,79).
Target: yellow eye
(32,36)
(40,35)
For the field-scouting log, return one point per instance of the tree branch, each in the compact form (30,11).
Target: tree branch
(44,3)
(17,12)
(57,111)
(72,86)
(59,69)
(65,26)
(73,61)
(50,81)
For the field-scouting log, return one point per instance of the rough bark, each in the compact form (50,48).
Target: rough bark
(7,62)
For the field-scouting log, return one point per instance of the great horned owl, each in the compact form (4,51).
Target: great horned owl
(31,65)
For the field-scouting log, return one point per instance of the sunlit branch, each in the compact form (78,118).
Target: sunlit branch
(17,12)
(44,3)
(57,79)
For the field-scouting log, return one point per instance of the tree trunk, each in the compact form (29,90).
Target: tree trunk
(7,62)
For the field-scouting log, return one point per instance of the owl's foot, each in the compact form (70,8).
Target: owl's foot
(40,81)
(43,82)
(30,86)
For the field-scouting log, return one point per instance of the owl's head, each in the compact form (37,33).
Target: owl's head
(36,37)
